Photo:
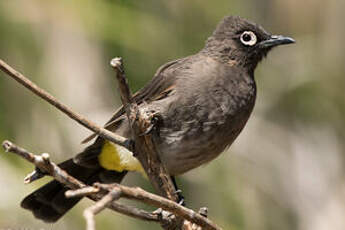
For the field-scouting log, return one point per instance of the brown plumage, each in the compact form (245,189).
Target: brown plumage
(204,101)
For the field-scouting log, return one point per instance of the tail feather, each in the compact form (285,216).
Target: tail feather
(49,203)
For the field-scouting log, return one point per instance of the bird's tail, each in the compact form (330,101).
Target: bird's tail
(49,203)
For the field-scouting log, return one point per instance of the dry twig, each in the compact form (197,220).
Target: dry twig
(100,192)
(142,126)
(47,167)
(141,121)
(90,212)
(63,108)
(159,202)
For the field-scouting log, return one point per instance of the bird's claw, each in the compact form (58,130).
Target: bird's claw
(181,200)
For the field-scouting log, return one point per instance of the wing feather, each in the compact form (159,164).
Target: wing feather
(158,88)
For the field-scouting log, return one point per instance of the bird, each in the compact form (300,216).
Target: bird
(203,100)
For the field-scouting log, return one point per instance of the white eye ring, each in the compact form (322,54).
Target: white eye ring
(248,38)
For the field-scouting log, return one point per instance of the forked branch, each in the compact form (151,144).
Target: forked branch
(141,123)
(106,195)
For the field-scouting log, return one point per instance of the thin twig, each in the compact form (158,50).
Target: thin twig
(46,166)
(81,192)
(145,149)
(63,108)
(133,212)
(136,193)
(142,131)
(126,95)
(90,212)
(60,175)
(139,194)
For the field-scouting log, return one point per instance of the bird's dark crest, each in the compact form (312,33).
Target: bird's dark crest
(234,25)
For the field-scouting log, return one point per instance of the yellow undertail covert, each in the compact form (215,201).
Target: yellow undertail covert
(118,158)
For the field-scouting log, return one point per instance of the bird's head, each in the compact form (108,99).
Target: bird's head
(241,42)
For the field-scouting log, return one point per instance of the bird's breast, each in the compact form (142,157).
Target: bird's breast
(202,126)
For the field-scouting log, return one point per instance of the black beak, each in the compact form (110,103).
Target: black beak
(276,40)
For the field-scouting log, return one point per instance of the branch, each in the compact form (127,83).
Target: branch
(63,108)
(47,167)
(159,202)
(126,95)
(141,123)
(106,194)
(90,212)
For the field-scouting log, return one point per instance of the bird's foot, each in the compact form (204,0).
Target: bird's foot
(181,200)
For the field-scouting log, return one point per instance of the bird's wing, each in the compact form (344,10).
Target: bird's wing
(158,88)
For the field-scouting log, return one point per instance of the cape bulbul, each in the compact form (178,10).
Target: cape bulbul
(204,101)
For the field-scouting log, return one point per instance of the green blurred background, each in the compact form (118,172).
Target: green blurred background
(285,171)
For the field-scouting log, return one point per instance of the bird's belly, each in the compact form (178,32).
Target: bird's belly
(179,161)
(194,144)
(181,153)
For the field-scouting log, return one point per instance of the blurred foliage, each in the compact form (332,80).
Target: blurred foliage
(285,171)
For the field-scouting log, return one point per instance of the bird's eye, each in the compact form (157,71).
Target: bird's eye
(248,38)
